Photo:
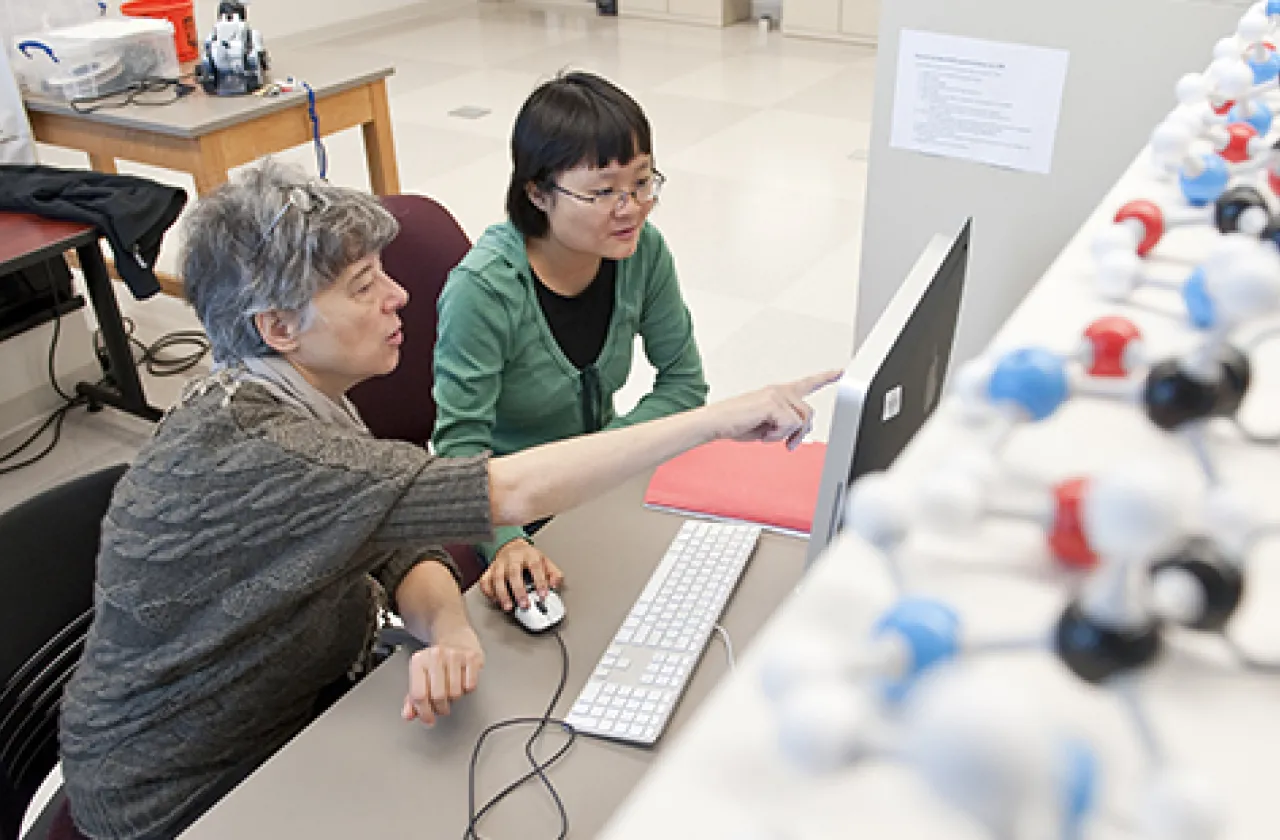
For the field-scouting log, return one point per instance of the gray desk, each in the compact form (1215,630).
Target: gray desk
(207,135)
(360,771)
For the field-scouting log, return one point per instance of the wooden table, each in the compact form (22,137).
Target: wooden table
(208,135)
(25,240)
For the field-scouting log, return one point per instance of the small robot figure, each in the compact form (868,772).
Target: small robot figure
(235,60)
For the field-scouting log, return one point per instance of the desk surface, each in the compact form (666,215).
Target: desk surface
(360,771)
(1211,716)
(328,72)
(26,239)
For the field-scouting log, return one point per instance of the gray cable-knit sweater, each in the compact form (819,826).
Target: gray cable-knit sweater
(232,586)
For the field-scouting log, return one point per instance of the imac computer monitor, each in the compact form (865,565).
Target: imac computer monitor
(894,381)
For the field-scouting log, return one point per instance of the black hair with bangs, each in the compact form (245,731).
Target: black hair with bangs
(574,118)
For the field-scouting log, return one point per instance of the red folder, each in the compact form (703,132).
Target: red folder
(750,482)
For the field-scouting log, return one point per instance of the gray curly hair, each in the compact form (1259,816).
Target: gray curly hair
(272,239)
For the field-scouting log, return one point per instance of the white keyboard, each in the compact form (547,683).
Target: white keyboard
(642,674)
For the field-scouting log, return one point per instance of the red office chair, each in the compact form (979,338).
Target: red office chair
(399,406)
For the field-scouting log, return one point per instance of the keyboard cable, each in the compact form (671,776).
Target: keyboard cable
(538,767)
(728,645)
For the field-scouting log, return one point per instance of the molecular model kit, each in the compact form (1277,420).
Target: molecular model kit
(1123,468)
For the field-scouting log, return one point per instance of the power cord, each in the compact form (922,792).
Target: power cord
(53,344)
(152,357)
(322,156)
(55,419)
(539,767)
(58,415)
(288,85)
(160,365)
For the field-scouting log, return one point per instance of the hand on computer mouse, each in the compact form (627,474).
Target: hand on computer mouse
(503,582)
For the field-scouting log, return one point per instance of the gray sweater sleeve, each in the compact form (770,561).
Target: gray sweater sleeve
(418,500)
(398,564)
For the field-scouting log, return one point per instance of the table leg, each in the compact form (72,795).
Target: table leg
(126,394)
(380,145)
(100,162)
(208,179)
(208,167)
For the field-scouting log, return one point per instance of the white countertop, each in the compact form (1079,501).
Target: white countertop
(725,777)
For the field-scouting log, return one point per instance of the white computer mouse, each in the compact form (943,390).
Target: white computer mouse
(543,613)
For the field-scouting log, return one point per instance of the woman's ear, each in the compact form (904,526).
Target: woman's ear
(537,197)
(278,329)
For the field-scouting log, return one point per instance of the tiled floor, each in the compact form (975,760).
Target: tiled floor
(763,139)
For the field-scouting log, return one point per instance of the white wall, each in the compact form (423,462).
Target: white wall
(282,18)
(276,18)
(1125,58)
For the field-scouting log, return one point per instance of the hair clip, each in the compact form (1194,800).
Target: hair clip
(266,234)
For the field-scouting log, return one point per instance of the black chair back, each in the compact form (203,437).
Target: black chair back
(48,554)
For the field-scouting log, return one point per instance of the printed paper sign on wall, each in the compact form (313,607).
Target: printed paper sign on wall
(984,101)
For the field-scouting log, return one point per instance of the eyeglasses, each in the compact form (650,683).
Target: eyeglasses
(152,90)
(304,200)
(616,200)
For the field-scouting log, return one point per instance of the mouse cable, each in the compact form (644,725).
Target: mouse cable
(538,767)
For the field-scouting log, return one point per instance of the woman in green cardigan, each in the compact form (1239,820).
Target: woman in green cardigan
(538,322)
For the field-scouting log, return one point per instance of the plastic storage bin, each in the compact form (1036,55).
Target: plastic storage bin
(181,13)
(96,58)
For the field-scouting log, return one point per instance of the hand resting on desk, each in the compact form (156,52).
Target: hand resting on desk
(439,675)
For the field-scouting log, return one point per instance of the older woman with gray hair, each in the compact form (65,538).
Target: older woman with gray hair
(249,550)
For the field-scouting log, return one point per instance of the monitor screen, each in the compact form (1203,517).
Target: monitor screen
(895,379)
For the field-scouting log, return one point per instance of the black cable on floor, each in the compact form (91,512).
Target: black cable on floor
(58,415)
(539,767)
(161,365)
(55,419)
(53,344)
(152,356)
